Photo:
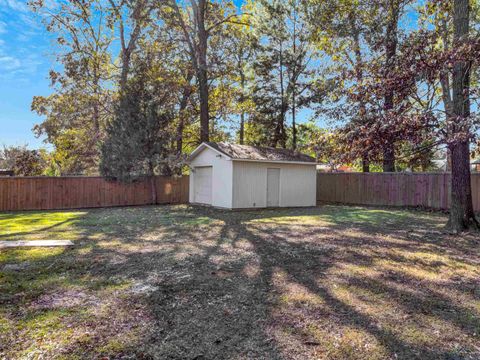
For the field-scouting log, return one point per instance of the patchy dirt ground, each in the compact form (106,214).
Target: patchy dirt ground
(178,282)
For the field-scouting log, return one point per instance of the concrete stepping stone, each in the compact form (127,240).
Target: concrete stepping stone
(34,243)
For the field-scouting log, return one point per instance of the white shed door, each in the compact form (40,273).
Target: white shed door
(273,187)
(203,185)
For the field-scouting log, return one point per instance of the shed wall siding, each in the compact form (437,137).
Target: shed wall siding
(249,185)
(297,184)
(221,177)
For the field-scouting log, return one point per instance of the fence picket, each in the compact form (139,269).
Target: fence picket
(400,189)
(49,193)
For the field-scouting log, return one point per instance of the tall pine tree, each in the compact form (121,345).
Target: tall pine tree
(283,70)
(140,135)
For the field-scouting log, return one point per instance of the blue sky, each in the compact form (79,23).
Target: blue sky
(24,63)
(25,60)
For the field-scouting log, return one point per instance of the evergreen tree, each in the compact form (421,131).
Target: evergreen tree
(140,135)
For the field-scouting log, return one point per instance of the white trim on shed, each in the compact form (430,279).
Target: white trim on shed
(242,183)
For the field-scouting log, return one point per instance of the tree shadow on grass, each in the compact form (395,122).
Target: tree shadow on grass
(188,282)
(159,270)
(282,251)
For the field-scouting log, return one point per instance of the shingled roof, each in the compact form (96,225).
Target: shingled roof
(257,153)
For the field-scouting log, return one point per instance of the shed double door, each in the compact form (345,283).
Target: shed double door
(273,187)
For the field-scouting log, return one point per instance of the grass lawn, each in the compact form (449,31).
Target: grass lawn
(180,282)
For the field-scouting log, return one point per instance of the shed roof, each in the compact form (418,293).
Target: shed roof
(255,153)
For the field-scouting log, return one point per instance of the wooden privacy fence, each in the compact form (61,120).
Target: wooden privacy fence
(46,193)
(431,190)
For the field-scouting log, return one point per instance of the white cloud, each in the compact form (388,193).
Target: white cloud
(9,63)
(17,5)
(3,27)
(25,36)
(21,54)
(30,21)
(18,68)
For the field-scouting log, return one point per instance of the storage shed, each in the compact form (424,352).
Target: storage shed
(236,176)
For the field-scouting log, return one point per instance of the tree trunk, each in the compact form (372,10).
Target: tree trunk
(242,114)
(294,126)
(362,109)
(204,112)
(202,72)
(153,188)
(448,165)
(96,105)
(198,43)
(388,158)
(294,107)
(187,92)
(462,216)
(365,165)
(281,125)
(125,70)
(391,39)
(93,151)
(242,128)
(180,127)
(137,20)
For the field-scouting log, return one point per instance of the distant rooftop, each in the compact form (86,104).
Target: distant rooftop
(6,172)
(248,152)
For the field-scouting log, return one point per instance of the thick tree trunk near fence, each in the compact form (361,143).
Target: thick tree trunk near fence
(202,71)
(462,216)
(391,42)
(389,158)
(204,108)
